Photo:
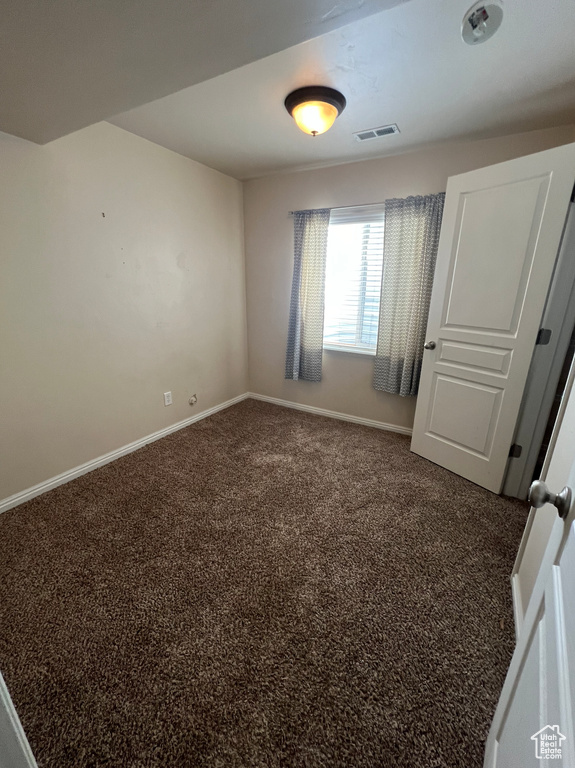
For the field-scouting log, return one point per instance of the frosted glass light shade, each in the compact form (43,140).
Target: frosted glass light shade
(315,107)
(314,116)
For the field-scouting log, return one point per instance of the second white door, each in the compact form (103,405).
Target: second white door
(534,725)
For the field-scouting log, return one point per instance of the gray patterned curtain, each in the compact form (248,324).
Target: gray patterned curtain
(411,238)
(305,333)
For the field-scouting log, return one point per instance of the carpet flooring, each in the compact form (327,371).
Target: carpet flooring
(263,589)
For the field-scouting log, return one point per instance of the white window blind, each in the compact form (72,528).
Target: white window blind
(354,267)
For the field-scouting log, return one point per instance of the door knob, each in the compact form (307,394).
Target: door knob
(539,494)
(429,345)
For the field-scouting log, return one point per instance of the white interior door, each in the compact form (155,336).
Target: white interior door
(538,697)
(500,236)
(542,524)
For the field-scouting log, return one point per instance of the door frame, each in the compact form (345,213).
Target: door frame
(546,366)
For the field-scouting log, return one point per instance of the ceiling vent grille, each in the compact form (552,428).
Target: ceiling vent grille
(376,133)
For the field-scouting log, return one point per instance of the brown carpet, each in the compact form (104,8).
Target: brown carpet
(264,588)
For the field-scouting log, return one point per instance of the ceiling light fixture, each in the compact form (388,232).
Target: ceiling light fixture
(315,107)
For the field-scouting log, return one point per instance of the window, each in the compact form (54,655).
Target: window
(353,273)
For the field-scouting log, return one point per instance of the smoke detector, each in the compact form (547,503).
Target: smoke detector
(481,22)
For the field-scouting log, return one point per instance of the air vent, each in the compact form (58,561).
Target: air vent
(376,133)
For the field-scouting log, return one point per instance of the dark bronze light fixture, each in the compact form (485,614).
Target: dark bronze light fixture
(315,107)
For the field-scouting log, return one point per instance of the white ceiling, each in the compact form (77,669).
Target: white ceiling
(406,65)
(65,64)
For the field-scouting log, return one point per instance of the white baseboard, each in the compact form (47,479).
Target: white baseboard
(72,474)
(332,414)
(65,477)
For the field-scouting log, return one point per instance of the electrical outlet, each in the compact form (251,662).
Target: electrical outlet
(193,400)
(167,398)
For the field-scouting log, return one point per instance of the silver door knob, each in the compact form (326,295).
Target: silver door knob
(429,345)
(539,494)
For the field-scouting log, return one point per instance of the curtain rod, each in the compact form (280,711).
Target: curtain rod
(362,205)
(339,207)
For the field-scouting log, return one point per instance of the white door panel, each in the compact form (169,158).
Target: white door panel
(499,238)
(473,357)
(451,400)
(496,235)
(539,691)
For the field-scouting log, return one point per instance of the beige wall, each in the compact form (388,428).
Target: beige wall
(101,314)
(346,385)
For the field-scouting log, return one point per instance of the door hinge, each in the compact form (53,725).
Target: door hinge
(515,451)
(544,336)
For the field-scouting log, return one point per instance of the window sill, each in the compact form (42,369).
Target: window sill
(352,350)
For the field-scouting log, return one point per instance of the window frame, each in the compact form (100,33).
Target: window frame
(365,215)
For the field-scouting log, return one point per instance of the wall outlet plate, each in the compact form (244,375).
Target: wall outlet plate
(167,398)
